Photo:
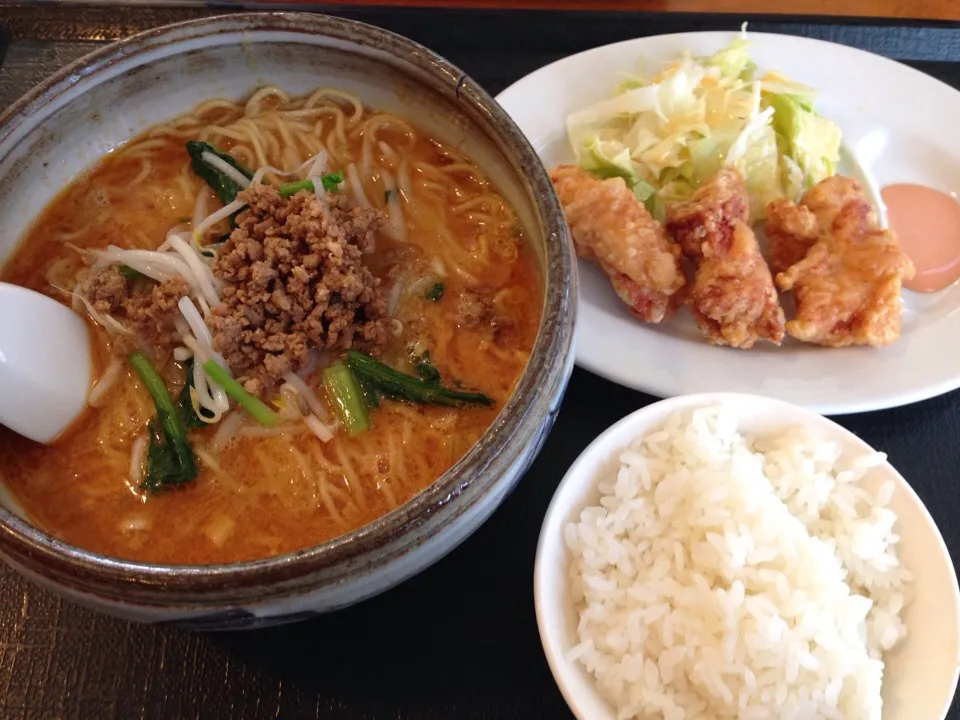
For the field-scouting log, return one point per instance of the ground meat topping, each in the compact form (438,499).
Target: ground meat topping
(105,289)
(472,311)
(151,314)
(294,280)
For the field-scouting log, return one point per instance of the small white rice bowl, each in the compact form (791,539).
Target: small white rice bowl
(715,571)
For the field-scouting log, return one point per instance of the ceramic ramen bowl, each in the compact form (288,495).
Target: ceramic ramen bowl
(68,122)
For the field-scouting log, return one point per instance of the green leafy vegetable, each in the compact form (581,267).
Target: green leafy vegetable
(810,141)
(371,396)
(162,469)
(225,187)
(331,181)
(188,416)
(169,459)
(734,60)
(129,273)
(256,409)
(386,195)
(400,386)
(434,292)
(427,371)
(667,134)
(347,398)
(608,159)
(423,366)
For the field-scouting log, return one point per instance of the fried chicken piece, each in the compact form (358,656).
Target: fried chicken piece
(703,225)
(831,195)
(794,229)
(612,228)
(847,287)
(733,298)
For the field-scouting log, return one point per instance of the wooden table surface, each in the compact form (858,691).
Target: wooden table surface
(908,9)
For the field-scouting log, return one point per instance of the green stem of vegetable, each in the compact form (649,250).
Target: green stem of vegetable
(292,188)
(347,398)
(330,183)
(400,386)
(169,462)
(166,410)
(256,409)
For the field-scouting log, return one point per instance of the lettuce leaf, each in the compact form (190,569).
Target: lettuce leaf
(734,59)
(607,159)
(668,132)
(811,142)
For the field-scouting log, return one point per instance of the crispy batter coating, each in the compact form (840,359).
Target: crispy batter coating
(612,228)
(794,229)
(847,287)
(733,298)
(831,195)
(703,225)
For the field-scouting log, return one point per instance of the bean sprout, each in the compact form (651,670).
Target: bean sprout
(226,168)
(201,271)
(316,407)
(136,460)
(318,428)
(106,382)
(398,228)
(221,214)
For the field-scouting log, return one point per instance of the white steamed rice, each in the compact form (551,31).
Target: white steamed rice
(724,576)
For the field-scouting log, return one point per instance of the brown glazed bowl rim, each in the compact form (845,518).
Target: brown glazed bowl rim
(546,374)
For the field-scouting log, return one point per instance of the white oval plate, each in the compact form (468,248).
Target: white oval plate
(898,125)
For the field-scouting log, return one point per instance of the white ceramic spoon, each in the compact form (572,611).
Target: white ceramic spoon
(45,368)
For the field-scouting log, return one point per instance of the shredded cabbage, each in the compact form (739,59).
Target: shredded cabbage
(668,134)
